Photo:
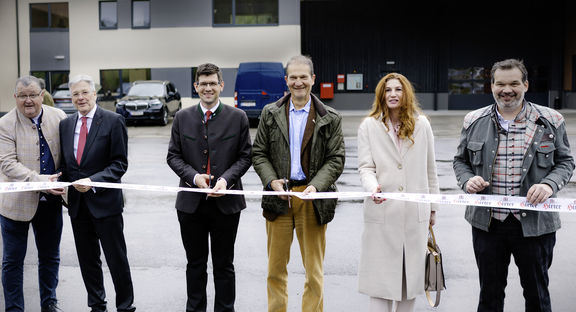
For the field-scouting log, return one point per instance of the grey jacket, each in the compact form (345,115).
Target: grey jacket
(548,160)
(271,154)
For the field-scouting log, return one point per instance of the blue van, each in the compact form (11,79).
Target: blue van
(258,84)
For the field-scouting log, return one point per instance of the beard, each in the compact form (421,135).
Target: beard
(514,103)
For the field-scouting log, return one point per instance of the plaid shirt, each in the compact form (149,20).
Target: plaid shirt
(514,138)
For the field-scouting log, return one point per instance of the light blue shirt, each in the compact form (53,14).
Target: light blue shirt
(298,120)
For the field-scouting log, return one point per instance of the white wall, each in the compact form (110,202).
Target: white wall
(92,49)
(9,59)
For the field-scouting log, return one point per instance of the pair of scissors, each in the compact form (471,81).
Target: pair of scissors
(287,190)
(209,185)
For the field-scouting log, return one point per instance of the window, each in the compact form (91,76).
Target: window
(108,15)
(54,79)
(245,12)
(469,80)
(49,16)
(117,81)
(140,14)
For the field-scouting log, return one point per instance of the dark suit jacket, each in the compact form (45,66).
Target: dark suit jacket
(228,142)
(105,159)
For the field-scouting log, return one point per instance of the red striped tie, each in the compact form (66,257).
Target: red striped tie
(82,139)
(208,114)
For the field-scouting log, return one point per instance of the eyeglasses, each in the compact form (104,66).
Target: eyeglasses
(81,93)
(210,84)
(24,97)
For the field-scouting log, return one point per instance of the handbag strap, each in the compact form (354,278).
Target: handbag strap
(431,301)
(431,231)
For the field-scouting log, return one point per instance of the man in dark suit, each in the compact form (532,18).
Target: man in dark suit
(94,145)
(209,148)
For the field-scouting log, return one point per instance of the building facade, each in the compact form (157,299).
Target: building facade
(118,42)
(446,49)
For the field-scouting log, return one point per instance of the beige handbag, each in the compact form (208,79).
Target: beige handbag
(434,274)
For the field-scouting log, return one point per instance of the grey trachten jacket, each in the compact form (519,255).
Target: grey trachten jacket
(271,154)
(547,160)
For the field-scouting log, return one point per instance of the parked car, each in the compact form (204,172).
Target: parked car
(63,100)
(258,84)
(154,100)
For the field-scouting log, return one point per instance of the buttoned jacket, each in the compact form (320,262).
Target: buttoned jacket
(395,231)
(20,158)
(225,139)
(547,160)
(105,159)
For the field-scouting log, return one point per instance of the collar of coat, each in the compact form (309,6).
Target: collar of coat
(318,105)
(541,112)
(214,114)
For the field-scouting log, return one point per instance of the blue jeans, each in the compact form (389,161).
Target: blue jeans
(47,226)
(532,255)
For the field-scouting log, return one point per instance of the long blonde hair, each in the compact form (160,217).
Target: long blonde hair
(409,108)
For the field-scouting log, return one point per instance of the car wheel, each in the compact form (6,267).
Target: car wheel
(164,120)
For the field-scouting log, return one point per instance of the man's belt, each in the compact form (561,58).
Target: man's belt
(292,183)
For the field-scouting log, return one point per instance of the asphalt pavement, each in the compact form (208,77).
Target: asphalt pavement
(158,261)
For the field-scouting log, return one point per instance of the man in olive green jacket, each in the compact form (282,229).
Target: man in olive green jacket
(299,146)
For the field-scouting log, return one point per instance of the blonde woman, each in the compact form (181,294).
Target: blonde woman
(395,154)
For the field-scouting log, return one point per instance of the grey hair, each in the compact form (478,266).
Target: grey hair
(26,81)
(42,83)
(301,59)
(78,78)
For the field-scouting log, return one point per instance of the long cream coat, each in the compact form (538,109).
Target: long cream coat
(395,227)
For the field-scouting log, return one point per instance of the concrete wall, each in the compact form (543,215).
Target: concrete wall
(363,101)
(92,49)
(181,77)
(8,61)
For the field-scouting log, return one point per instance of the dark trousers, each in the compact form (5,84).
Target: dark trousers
(195,229)
(89,234)
(532,255)
(47,226)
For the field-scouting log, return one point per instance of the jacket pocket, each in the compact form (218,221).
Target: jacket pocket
(545,155)
(188,137)
(228,137)
(475,152)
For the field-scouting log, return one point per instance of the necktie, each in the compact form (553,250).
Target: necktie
(208,114)
(82,139)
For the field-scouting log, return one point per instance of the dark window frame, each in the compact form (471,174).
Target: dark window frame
(48,76)
(100,14)
(149,15)
(121,81)
(233,23)
(49,28)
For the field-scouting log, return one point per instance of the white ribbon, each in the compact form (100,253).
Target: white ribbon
(500,201)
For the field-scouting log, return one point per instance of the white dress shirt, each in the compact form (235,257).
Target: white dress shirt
(90,117)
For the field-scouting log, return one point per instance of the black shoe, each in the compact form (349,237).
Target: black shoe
(53,307)
(98,310)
